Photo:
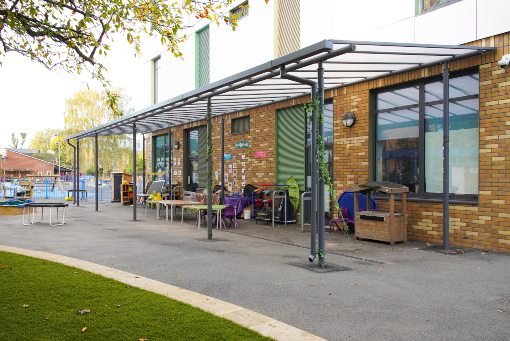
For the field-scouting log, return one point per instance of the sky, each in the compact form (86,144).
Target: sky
(33,98)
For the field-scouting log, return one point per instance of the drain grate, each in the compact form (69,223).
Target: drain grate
(451,252)
(505,301)
(314,267)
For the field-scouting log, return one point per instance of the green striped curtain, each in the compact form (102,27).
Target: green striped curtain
(290,144)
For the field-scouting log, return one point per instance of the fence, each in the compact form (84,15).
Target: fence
(51,188)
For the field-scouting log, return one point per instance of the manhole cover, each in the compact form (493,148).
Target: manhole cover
(314,267)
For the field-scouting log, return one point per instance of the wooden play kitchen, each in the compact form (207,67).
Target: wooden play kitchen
(388,226)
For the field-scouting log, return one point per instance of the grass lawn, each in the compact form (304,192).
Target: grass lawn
(41,300)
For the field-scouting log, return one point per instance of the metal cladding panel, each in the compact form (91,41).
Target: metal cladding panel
(203,55)
(290,144)
(289,26)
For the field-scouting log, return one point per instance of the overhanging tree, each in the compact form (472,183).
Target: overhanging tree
(70,34)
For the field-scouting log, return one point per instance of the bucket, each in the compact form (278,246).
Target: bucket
(247,213)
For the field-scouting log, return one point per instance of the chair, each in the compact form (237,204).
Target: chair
(229,213)
(155,186)
(346,200)
(339,220)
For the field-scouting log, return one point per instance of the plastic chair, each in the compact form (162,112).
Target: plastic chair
(346,200)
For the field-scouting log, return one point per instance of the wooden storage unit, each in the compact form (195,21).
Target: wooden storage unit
(127,194)
(117,179)
(388,226)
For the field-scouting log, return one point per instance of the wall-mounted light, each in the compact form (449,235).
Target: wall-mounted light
(177,144)
(349,119)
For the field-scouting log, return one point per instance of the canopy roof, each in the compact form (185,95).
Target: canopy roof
(344,63)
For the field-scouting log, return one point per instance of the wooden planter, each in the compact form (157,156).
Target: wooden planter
(10,210)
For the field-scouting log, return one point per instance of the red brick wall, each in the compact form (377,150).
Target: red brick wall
(19,165)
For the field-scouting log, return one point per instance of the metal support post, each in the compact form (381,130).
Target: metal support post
(169,167)
(446,161)
(321,194)
(314,170)
(134,172)
(222,159)
(96,144)
(77,188)
(144,171)
(209,170)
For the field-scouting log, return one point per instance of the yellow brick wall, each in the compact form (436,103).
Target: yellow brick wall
(485,225)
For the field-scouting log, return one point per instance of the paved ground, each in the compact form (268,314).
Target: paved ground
(369,291)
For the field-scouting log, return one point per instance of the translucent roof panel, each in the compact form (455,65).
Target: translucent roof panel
(344,63)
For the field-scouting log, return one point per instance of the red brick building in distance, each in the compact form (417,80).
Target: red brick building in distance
(16,164)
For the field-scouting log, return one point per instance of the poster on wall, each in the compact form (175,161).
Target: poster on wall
(260,154)
(242,144)
(227,157)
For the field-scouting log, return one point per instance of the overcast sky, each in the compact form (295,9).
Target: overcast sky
(33,98)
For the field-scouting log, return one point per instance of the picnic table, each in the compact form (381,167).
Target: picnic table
(172,204)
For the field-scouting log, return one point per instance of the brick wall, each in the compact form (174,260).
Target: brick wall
(485,225)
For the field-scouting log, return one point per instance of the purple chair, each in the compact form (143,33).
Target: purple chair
(229,213)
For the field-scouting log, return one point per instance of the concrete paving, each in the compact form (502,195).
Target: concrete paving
(368,291)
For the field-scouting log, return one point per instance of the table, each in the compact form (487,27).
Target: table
(199,208)
(43,205)
(81,191)
(238,202)
(172,204)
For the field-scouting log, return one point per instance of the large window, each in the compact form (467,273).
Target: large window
(409,136)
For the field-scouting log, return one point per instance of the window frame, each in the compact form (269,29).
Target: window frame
(242,11)
(421,195)
(247,117)
(420,6)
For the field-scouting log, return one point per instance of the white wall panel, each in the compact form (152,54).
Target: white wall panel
(493,17)
(401,31)
(453,24)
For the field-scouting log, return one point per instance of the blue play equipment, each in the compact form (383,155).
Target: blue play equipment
(346,200)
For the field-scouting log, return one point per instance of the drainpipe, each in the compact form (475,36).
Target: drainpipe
(313,159)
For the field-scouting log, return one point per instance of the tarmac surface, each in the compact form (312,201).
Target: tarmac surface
(368,291)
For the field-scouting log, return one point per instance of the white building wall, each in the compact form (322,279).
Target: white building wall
(374,20)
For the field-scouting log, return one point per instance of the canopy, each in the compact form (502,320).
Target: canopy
(344,62)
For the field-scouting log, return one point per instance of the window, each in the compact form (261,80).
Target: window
(430,5)
(156,86)
(409,136)
(48,172)
(160,160)
(39,173)
(240,125)
(240,12)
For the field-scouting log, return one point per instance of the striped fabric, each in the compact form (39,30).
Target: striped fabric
(291,145)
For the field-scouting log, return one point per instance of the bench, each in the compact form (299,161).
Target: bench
(42,205)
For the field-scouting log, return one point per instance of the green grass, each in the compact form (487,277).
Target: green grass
(55,293)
